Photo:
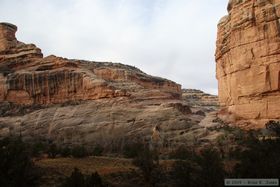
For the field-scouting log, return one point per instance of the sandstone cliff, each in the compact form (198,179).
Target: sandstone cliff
(248,62)
(28,78)
(83,102)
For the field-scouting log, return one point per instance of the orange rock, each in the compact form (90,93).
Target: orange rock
(26,78)
(7,36)
(248,61)
(40,99)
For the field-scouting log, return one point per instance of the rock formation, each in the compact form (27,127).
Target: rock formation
(200,100)
(83,102)
(27,78)
(248,62)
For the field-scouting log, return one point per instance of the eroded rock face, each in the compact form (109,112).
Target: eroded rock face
(199,99)
(76,102)
(80,102)
(26,78)
(7,36)
(248,62)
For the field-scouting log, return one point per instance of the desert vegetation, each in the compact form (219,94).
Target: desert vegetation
(77,123)
(16,165)
(77,179)
(252,155)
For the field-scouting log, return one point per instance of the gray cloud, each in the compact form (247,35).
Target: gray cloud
(174,39)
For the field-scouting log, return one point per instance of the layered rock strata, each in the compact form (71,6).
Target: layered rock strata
(199,99)
(248,62)
(74,102)
(27,78)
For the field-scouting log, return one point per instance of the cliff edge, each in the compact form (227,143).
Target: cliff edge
(248,62)
(76,102)
(27,78)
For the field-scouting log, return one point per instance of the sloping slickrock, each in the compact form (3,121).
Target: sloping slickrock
(73,102)
(199,100)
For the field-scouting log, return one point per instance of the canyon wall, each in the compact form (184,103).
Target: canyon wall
(248,62)
(76,102)
(26,78)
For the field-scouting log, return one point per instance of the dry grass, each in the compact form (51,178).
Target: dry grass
(55,170)
(103,165)
(116,171)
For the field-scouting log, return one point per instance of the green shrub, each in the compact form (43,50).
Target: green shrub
(147,161)
(16,166)
(183,172)
(53,151)
(131,150)
(210,168)
(260,160)
(38,148)
(77,179)
(79,152)
(94,180)
(65,151)
(274,126)
(97,150)
(182,153)
(199,170)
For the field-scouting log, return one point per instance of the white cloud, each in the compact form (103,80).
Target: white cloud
(174,39)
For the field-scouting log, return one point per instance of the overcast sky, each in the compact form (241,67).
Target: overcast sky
(174,39)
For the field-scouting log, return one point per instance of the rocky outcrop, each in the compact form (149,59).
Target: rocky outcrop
(248,62)
(14,54)
(199,99)
(72,102)
(26,78)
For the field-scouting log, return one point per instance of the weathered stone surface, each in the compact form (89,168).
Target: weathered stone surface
(200,100)
(111,123)
(73,102)
(82,102)
(248,62)
(12,52)
(27,78)
(7,36)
